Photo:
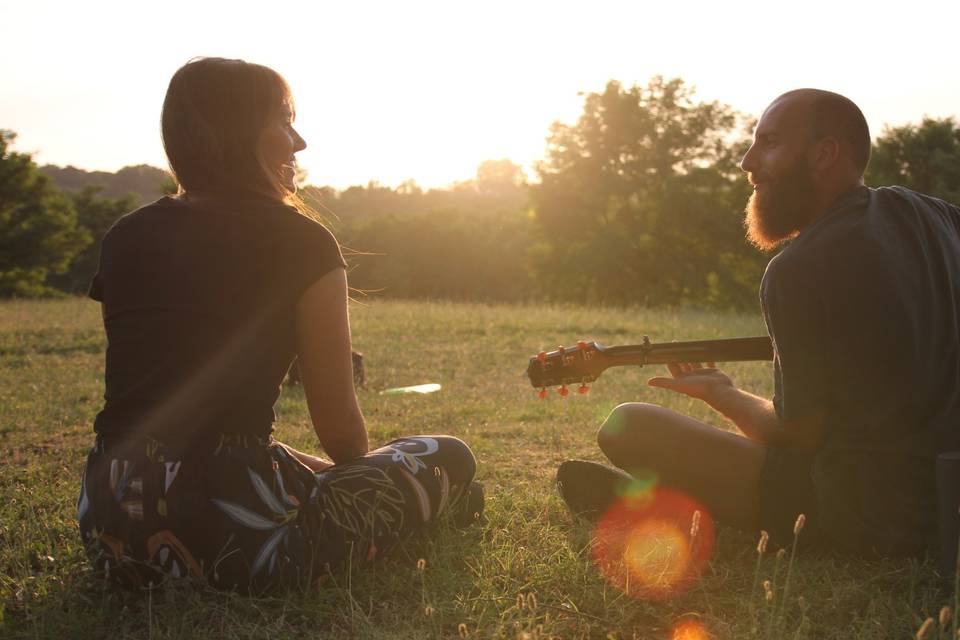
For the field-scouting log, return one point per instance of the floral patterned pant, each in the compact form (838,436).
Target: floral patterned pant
(249,516)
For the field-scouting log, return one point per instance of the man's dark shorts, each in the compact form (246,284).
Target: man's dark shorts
(786,490)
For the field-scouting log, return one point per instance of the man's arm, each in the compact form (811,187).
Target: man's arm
(753,415)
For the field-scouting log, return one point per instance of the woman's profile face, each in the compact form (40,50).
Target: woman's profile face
(278,144)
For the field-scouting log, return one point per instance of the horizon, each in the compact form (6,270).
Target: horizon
(426,92)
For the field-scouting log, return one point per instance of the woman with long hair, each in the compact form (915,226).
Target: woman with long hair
(207,296)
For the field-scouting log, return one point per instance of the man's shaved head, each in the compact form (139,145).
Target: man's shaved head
(809,148)
(835,116)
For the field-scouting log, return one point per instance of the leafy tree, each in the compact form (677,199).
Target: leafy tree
(95,214)
(924,157)
(146,182)
(641,201)
(441,255)
(467,242)
(39,235)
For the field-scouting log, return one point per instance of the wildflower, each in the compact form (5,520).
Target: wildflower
(462,630)
(944,616)
(768,590)
(782,552)
(798,525)
(695,525)
(762,545)
(428,611)
(924,628)
(532,601)
(520,601)
(421,565)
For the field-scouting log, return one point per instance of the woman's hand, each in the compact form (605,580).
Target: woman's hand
(314,463)
(695,380)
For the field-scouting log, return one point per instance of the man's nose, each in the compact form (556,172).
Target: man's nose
(747,162)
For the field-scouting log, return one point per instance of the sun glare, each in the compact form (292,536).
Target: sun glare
(689,630)
(653,546)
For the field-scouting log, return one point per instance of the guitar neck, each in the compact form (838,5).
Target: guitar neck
(724,350)
(586,361)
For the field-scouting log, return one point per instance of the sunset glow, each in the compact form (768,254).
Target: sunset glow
(428,90)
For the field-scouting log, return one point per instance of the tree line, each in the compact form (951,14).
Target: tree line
(639,201)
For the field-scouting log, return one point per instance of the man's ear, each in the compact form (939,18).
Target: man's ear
(826,153)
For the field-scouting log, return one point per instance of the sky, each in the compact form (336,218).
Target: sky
(427,90)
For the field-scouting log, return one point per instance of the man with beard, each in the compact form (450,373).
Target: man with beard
(863,308)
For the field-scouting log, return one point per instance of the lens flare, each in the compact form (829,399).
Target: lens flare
(656,553)
(689,630)
(645,545)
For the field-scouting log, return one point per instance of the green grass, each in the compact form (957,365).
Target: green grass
(51,367)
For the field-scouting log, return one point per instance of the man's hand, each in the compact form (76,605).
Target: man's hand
(753,415)
(695,380)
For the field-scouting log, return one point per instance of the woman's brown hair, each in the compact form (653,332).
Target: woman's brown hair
(213,116)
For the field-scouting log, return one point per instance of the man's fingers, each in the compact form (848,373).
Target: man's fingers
(675,370)
(665,383)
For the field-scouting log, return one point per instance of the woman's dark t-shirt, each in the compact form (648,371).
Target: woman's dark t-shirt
(199,309)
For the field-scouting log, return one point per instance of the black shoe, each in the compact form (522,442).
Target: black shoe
(589,488)
(470,509)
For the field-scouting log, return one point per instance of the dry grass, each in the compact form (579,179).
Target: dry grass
(525,571)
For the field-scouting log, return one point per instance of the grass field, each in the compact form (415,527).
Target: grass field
(477,582)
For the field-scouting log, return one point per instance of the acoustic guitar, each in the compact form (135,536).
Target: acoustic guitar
(585,361)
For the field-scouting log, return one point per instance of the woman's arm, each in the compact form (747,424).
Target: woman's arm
(326,367)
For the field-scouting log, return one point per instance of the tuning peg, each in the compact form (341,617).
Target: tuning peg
(562,350)
(583,389)
(563,391)
(542,356)
(542,393)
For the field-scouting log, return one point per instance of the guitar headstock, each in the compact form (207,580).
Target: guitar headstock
(578,364)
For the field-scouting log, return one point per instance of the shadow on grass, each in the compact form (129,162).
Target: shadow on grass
(386,598)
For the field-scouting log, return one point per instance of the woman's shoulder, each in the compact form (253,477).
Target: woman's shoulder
(263,220)
(129,222)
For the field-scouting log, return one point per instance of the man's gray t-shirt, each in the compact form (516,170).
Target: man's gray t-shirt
(864,312)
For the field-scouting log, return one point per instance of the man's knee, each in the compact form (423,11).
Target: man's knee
(629,421)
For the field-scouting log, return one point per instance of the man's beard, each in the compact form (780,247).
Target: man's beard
(780,207)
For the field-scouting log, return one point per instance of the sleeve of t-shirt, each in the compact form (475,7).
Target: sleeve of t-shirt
(313,252)
(797,320)
(95,291)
